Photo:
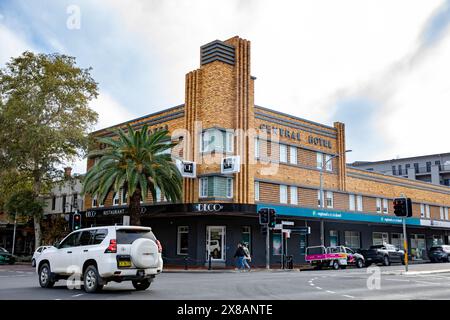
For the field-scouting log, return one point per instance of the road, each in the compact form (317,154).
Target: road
(20,282)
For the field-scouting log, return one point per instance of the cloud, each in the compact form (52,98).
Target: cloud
(13,44)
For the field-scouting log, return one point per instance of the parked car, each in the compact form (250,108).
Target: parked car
(36,254)
(383,253)
(335,257)
(102,254)
(6,257)
(439,253)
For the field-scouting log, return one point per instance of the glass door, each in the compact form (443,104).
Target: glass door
(418,247)
(215,243)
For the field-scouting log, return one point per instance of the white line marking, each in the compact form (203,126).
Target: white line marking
(426,282)
(319,288)
(401,280)
(311,284)
(77,295)
(346,295)
(330,291)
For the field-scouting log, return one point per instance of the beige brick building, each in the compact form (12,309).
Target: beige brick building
(280,160)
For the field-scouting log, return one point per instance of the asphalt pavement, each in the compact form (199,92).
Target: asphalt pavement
(425,281)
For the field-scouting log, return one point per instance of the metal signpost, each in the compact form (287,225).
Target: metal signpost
(267,246)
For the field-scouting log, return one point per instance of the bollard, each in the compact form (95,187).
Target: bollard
(185,263)
(209,262)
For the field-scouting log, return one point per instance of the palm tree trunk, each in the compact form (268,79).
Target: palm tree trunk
(135,208)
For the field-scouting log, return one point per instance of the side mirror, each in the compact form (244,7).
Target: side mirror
(56,244)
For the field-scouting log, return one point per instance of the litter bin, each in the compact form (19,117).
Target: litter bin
(289,262)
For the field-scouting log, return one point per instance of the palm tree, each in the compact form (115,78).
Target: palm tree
(134,161)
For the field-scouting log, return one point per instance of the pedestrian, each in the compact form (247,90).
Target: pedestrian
(240,255)
(248,257)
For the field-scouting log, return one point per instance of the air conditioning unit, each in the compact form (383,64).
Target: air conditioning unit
(188,169)
(230,164)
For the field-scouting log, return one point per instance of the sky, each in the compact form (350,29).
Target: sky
(381,67)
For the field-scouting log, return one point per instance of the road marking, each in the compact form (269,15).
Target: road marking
(77,295)
(330,291)
(319,288)
(58,299)
(401,280)
(427,282)
(311,284)
(346,295)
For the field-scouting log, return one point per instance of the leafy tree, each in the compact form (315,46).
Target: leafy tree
(134,161)
(23,204)
(44,118)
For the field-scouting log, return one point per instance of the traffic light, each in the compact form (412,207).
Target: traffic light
(76,221)
(263,216)
(272,218)
(403,207)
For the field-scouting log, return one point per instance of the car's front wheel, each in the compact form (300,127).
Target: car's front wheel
(141,284)
(335,265)
(91,280)
(45,280)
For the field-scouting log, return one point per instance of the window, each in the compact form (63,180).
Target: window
(397,240)
(446,213)
(351,202)
(203,187)
(422,210)
(378,205)
(333,238)
(229,141)
(293,155)
(183,240)
(100,235)
(124,196)
(116,198)
(85,237)
(283,194)
(385,206)
(438,163)
(283,153)
(247,237)
(216,140)
(427,210)
(75,200)
(256,148)
(359,203)
(64,203)
(394,170)
(256,190)
(53,203)
(428,166)
(441,213)
(294,195)
(379,238)
(416,167)
(407,166)
(229,187)
(319,160)
(158,194)
(329,199)
(400,171)
(70,241)
(94,201)
(328,163)
(352,239)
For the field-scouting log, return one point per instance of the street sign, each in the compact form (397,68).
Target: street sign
(305,230)
(287,223)
(278,227)
(188,169)
(230,164)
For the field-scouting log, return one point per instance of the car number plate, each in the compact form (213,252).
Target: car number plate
(124,263)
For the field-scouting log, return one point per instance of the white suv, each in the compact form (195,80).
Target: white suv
(103,254)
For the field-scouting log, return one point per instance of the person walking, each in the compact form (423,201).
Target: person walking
(240,255)
(247,257)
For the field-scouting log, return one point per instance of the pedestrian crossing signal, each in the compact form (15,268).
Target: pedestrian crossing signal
(263,216)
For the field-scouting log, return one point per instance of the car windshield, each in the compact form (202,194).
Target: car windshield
(335,250)
(127,236)
(433,249)
(3,250)
(379,246)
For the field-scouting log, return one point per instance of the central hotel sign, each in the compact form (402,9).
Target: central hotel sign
(295,135)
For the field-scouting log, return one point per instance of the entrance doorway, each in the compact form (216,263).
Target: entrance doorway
(418,247)
(215,243)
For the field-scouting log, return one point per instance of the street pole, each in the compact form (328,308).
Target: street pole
(14,233)
(267,247)
(405,244)
(322,231)
(282,249)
